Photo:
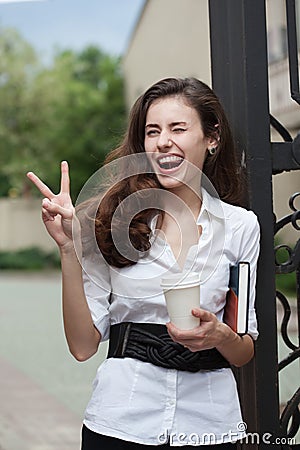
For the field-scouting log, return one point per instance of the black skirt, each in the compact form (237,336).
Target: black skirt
(95,441)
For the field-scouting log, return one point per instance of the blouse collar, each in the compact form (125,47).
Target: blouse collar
(212,205)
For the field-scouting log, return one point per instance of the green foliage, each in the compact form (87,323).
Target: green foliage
(29,259)
(18,65)
(286,283)
(72,110)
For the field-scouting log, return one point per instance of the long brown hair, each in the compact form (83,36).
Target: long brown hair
(221,168)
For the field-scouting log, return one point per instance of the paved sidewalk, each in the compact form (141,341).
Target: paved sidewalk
(43,390)
(31,419)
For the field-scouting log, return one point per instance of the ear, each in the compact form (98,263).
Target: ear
(213,142)
(214,139)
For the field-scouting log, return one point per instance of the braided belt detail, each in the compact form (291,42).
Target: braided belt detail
(150,342)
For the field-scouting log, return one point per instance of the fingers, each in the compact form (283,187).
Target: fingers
(46,215)
(65,179)
(51,209)
(202,314)
(184,336)
(42,187)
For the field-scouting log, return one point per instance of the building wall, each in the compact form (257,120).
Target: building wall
(21,225)
(170,39)
(286,110)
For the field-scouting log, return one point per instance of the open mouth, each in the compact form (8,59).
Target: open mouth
(169,162)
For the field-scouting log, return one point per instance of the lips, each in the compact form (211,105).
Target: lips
(169,162)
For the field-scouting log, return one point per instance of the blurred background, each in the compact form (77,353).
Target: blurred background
(69,72)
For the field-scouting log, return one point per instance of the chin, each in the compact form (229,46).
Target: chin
(169,182)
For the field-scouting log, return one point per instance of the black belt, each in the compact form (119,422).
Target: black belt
(151,342)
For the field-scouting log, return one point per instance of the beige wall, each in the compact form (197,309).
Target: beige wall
(21,225)
(282,106)
(171,39)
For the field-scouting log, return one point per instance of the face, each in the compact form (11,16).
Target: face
(173,139)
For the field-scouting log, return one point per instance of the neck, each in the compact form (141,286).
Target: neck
(190,197)
(187,199)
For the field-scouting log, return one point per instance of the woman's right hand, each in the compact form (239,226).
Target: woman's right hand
(58,212)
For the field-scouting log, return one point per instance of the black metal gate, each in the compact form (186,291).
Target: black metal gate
(240,78)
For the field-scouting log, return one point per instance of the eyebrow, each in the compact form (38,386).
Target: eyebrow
(173,124)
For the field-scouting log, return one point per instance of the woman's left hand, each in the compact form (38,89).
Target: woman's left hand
(210,333)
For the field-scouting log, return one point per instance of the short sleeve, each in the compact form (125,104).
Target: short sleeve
(97,288)
(249,251)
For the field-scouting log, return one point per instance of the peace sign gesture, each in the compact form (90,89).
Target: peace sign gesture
(58,211)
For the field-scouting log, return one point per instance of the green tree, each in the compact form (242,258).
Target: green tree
(89,115)
(72,110)
(18,66)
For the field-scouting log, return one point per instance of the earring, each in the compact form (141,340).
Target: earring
(212,150)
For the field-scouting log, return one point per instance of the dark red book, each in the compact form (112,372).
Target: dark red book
(237,299)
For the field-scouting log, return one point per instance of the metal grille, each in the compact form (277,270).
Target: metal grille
(240,78)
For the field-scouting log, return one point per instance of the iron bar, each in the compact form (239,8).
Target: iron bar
(240,78)
(295,354)
(281,130)
(290,418)
(283,157)
(285,321)
(293,49)
(298,300)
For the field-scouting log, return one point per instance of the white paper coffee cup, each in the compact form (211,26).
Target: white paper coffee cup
(182,294)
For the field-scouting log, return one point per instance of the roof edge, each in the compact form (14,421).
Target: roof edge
(134,28)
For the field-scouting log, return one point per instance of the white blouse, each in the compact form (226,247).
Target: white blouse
(137,401)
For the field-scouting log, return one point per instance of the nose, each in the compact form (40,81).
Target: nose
(164,141)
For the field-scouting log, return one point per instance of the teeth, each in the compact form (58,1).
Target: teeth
(168,159)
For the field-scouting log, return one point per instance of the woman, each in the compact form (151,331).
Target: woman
(180,129)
